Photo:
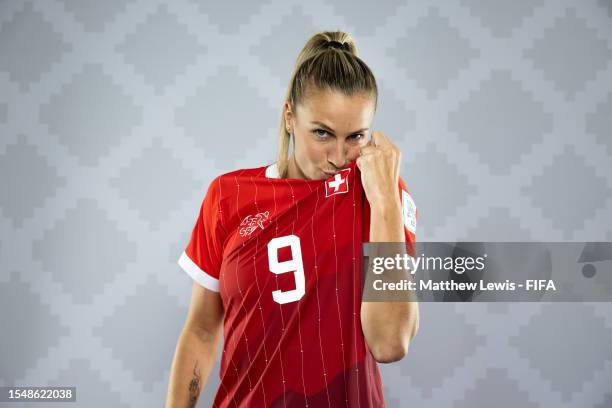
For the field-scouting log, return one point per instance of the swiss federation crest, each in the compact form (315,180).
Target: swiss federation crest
(338,183)
(251,222)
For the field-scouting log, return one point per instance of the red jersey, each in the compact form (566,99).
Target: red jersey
(285,256)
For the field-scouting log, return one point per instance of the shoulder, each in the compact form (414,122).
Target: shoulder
(225,183)
(244,172)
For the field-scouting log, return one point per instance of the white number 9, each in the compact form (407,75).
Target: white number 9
(294,265)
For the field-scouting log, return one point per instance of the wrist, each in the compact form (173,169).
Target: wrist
(386,204)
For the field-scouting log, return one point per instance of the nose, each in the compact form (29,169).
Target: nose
(338,154)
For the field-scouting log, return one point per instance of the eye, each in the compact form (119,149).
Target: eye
(320,135)
(357,137)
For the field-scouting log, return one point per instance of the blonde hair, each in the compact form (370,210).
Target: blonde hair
(324,65)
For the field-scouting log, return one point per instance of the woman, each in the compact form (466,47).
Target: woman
(275,254)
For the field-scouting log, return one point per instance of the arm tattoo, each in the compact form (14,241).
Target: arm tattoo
(194,386)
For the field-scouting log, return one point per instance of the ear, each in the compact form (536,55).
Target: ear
(288,115)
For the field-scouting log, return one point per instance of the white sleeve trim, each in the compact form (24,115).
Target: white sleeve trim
(198,274)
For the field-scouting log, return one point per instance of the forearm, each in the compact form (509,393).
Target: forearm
(388,326)
(193,361)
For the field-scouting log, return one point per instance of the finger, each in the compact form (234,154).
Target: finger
(363,159)
(376,138)
(366,150)
(379,138)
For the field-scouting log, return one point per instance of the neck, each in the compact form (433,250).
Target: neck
(293,170)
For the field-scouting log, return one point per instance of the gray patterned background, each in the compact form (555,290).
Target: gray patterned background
(114,117)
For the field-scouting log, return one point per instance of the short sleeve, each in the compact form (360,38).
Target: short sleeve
(410,215)
(202,257)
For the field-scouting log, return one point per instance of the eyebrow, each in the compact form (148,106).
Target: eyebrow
(323,125)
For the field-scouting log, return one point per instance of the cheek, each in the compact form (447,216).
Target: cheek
(353,153)
(314,152)
(302,155)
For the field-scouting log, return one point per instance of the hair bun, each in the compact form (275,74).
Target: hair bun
(339,45)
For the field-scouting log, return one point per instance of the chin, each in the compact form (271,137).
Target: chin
(321,175)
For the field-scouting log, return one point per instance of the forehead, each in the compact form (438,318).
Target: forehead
(333,106)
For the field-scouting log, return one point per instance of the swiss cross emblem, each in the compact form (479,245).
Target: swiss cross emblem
(338,183)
